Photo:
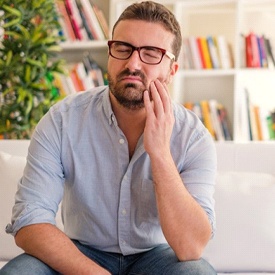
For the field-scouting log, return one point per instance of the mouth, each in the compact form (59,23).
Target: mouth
(131,79)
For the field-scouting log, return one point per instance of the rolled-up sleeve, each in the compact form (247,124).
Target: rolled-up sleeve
(35,201)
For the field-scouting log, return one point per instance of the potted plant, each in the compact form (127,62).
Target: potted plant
(29,44)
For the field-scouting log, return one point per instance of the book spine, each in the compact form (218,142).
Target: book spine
(215,119)
(213,51)
(91,17)
(207,117)
(201,53)
(67,22)
(197,61)
(102,20)
(224,53)
(205,53)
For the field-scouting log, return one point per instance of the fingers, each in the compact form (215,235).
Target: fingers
(160,96)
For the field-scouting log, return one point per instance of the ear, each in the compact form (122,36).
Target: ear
(174,68)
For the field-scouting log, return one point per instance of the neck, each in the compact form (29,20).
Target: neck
(131,122)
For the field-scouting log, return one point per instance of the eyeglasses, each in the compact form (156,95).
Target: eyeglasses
(147,54)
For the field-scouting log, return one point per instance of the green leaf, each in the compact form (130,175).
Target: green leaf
(12,11)
(34,62)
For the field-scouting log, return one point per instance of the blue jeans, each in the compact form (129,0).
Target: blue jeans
(158,261)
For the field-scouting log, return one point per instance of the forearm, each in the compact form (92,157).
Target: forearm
(184,222)
(47,243)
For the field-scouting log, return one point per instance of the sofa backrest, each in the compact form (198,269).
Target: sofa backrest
(257,157)
(245,208)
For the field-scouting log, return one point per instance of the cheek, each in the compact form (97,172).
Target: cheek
(113,67)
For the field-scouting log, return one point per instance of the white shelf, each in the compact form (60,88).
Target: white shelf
(83,45)
(229,18)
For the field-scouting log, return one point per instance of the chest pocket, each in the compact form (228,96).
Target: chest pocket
(147,207)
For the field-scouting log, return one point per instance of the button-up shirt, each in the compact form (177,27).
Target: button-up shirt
(79,155)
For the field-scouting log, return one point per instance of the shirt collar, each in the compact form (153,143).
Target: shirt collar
(107,107)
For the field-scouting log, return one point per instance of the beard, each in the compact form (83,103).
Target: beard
(129,95)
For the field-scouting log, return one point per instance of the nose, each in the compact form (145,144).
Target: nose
(134,62)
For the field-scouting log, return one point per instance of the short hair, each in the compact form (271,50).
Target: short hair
(154,12)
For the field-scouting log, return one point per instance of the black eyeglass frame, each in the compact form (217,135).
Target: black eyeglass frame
(138,49)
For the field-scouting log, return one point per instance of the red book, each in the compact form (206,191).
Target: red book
(63,11)
(71,13)
(252,51)
(248,52)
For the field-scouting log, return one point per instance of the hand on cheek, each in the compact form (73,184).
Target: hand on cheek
(159,119)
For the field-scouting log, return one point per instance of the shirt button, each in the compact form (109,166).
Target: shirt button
(124,212)
(121,141)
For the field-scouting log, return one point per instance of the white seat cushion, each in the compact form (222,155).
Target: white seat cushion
(245,236)
(11,169)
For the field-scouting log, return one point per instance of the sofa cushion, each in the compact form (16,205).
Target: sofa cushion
(245,236)
(11,169)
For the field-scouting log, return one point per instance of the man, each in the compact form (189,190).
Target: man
(135,172)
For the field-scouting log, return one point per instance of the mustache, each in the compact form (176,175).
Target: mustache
(127,72)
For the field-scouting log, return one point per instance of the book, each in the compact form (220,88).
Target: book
(270,55)
(255,50)
(270,127)
(243,129)
(89,29)
(92,21)
(101,19)
(213,50)
(207,117)
(248,52)
(77,79)
(72,16)
(248,110)
(199,46)
(197,61)
(224,121)
(217,126)
(258,122)
(66,19)
(93,71)
(224,52)
(189,105)
(204,53)
(262,52)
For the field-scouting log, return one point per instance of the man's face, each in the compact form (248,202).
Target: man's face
(129,78)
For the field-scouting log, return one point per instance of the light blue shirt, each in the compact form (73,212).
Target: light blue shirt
(79,155)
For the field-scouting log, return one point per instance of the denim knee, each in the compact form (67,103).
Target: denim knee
(25,264)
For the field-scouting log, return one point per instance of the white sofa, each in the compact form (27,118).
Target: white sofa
(245,206)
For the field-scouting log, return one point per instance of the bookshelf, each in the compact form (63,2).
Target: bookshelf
(73,51)
(231,19)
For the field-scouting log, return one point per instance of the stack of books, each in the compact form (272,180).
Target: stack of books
(214,116)
(256,122)
(81,76)
(209,52)
(257,51)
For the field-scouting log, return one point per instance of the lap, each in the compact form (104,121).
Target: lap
(163,261)
(158,261)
